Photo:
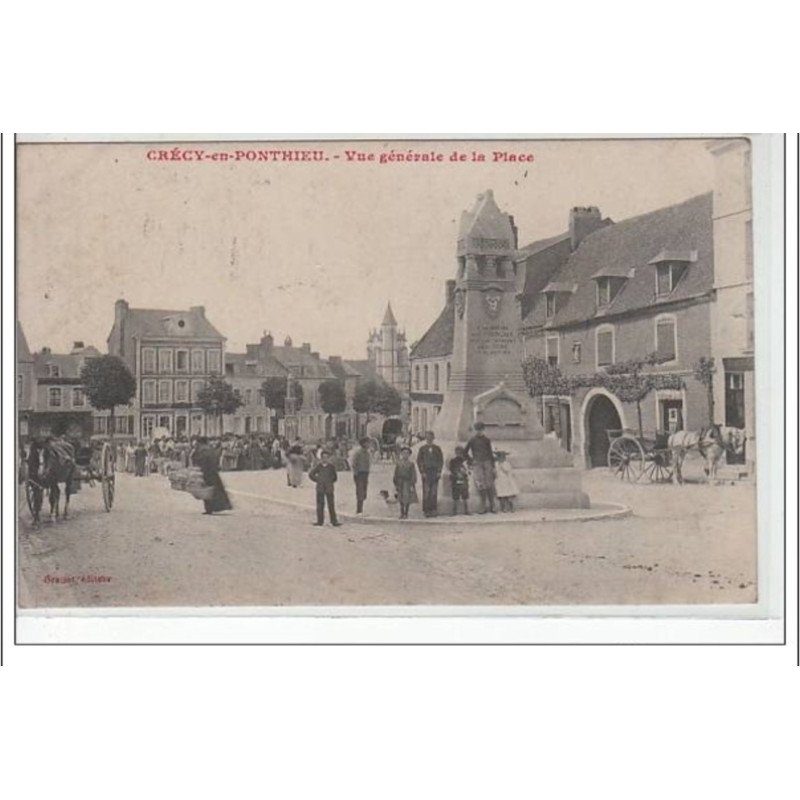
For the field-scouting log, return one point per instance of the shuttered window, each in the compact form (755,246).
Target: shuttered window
(605,348)
(665,339)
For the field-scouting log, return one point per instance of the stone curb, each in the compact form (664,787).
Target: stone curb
(611,511)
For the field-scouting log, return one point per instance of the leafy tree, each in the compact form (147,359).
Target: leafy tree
(377,397)
(332,397)
(274,390)
(218,397)
(108,383)
(704,370)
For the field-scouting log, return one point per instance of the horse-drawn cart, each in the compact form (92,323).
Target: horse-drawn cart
(72,465)
(630,457)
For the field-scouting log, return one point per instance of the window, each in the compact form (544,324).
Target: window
(448,373)
(148,360)
(214,362)
(425,377)
(54,397)
(100,424)
(605,346)
(551,347)
(435,377)
(197,387)
(181,391)
(148,391)
(416,377)
(751,340)
(53,370)
(576,352)
(198,361)
(248,397)
(165,391)
(666,338)
(550,305)
(415,418)
(259,424)
(148,423)
(20,385)
(181,360)
(667,276)
(603,292)
(164,360)
(78,398)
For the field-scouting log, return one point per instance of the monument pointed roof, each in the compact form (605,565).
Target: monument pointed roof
(485,225)
(388,317)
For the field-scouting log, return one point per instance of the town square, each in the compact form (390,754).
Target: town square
(547,414)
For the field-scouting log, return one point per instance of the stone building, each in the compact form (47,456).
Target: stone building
(431,366)
(25,383)
(172,355)
(58,404)
(598,294)
(246,372)
(732,326)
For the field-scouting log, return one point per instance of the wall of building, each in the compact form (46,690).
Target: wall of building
(427,398)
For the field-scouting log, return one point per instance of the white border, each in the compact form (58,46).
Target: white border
(584,624)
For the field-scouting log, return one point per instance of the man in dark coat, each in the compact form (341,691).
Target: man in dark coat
(207,458)
(430,462)
(361,465)
(324,475)
(479,449)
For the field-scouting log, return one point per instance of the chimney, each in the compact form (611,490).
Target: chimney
(199,310)
(582,222)
(449,291)
(315,355)
(77,346)
(335,360)
(306,348)
(267,342)
(45,351)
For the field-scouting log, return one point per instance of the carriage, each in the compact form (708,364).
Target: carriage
(632,457)
(383,434)
(95,462)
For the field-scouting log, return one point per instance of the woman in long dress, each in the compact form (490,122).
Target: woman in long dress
(405,482)
(296,462)
(207,458)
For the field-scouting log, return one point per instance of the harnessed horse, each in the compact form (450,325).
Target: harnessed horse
(49,465)
(711,442)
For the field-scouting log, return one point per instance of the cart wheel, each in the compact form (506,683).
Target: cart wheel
(659,469)
(626,459)
(107,475)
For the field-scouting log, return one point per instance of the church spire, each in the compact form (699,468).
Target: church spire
(388,317)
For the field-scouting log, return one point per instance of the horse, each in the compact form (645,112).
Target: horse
(50,464)
(711,442)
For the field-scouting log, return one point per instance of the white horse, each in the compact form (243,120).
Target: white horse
(711,443)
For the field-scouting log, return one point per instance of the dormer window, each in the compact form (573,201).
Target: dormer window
(53,371)
(556,296)
(608,282)
(670,266)
(603,292)
(550,305)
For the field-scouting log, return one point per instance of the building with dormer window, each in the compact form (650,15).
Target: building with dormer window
(172,354)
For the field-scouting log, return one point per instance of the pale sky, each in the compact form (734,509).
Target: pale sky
(313,250)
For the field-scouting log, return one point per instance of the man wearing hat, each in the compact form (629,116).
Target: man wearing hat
(361,465)
(324,475)
(479,450)
(430,462)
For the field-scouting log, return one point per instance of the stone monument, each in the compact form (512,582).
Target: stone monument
(486,381)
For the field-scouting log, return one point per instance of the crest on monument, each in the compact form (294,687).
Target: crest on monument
(458,298)
(492,299)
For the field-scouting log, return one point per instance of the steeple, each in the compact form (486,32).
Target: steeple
(388,317)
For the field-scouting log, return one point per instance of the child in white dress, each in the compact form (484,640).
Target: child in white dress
(505,484)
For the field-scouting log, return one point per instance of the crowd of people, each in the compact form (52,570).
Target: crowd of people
(477,463)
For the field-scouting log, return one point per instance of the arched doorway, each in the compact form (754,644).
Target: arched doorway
(601,416)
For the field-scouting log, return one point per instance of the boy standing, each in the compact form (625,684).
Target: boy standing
(459,480)
(361,465)
(324,475)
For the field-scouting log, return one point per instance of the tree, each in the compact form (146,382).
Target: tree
(704,370)
(218,397)
(274,390)
(108,383)
(377,397)
(332,397)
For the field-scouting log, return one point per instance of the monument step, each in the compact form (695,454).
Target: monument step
(563,479)
(552,500)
